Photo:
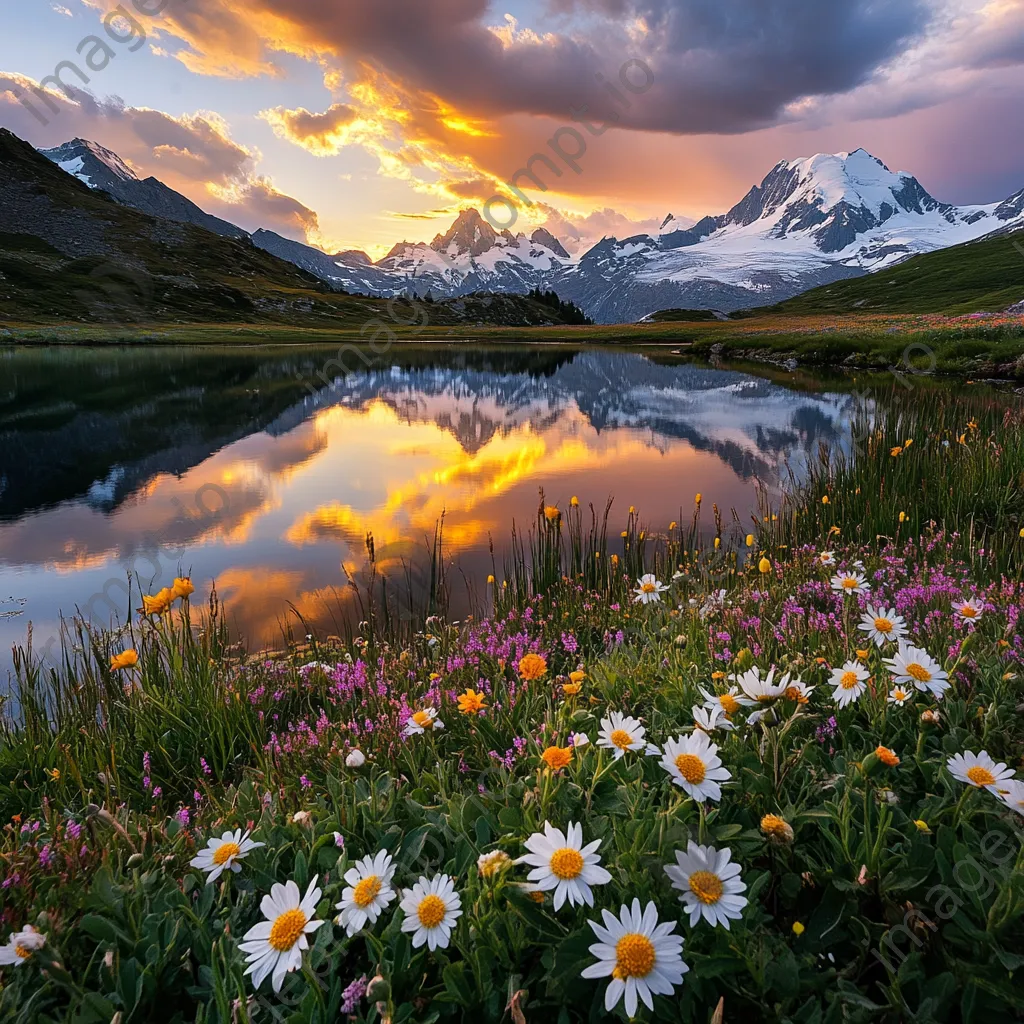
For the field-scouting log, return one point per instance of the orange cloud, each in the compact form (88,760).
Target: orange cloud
(322,134)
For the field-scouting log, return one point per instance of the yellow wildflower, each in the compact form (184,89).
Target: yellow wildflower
(532,666)
(471,702)
(126,659)
(777,829)
(557,758)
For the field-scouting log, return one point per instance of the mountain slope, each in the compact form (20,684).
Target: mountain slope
(352,271)
(986,275)
(99,168)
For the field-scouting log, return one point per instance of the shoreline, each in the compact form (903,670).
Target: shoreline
(968,348)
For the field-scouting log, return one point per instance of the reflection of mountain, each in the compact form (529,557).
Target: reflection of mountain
(92,425)
(750,424)
(96,427)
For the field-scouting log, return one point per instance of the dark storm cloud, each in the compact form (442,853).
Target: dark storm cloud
(721,65)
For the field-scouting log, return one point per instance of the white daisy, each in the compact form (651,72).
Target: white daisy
(710,884)
(729,702)
(969,611)
(20,946)
(827,557)
(423,721)
(368,892)
(642,957)
(431,908)
(275,946)
(561,862)
(649,591)
(979,770)
(850,682)
(883,625)
(693,763)
(899,695)
(758,690)
(850,583)
(224,854)
(1011,793)
(916,667)
(710,719)
(621,733)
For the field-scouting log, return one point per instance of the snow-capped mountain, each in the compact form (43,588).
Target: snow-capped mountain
(471,256)
(101,169)
(810,222)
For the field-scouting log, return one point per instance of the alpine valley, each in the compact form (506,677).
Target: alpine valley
(810,222)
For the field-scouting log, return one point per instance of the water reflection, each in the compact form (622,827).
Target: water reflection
(223,462)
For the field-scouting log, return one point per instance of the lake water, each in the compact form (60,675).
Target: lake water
(265,469)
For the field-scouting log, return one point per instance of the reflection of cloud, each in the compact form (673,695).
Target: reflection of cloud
(422,473)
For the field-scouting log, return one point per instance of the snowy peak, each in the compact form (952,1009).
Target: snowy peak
(470,235)
(91,163)
(544,237)
(833,197)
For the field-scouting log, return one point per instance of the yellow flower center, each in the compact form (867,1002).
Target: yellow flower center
(968,611)
(918,672)
(225,852)
(366,891)
(691,767)
(849,680)
(648,588)
(287,929)
(849,583)
(883,625)
(730,705)
(621,739)
(795,693)
(706,886)
(431,911)
(634,957)
(981,776)
(423,720)
(566,863)
(899,694)
(22,952)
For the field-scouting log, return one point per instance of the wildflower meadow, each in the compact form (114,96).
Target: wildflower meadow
(757,767)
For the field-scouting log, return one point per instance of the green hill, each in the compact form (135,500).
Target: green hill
(986,275)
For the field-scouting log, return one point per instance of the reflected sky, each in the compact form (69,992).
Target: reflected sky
(249,479)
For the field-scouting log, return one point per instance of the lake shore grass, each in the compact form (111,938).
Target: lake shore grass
(968,345)
(880,872)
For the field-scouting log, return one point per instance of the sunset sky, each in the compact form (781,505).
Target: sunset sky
(359,123)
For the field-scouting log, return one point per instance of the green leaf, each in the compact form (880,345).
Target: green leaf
(455,982)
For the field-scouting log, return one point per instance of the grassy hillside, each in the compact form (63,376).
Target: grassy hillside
(987,275)
(72,255)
